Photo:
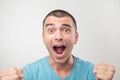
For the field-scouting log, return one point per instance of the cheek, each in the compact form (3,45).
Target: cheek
(69,39)
(48,39)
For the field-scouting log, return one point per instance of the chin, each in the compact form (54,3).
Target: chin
(61,61)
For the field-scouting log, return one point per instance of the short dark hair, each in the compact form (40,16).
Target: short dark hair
(60,13)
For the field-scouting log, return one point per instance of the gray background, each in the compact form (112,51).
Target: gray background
(21,27)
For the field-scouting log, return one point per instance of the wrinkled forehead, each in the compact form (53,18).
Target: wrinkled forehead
(52,20)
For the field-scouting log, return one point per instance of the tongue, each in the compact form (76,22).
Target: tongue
(59,50)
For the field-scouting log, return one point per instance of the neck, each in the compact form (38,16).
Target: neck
(62,69)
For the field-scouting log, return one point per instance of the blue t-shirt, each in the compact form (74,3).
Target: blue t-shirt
(42,70)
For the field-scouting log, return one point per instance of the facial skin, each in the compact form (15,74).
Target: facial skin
(59,36)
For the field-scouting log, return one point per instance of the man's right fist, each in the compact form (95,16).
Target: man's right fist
(11,74)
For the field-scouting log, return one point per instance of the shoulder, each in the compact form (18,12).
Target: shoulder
(81,61)
(85,67)
(33,69)
(36,65)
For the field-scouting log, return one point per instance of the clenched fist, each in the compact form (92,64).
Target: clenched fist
(11,74)
(104,71)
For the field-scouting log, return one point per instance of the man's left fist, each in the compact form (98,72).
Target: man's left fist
(104,71)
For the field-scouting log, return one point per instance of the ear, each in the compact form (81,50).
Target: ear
(76,37)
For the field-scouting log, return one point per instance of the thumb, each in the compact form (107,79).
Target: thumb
(20,73)
(95,69)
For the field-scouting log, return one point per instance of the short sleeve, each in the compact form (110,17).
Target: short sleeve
(26,71)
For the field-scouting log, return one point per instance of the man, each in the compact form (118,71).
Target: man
(59,36)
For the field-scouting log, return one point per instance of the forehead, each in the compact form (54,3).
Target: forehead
(61,20)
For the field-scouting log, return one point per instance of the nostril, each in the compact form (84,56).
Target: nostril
(58,39)
(58,36)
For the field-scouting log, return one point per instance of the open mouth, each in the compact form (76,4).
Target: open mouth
(59,49)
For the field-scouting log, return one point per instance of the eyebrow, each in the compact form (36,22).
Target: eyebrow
(50,24)
(67,25)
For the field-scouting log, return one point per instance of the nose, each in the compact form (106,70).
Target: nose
(58,36)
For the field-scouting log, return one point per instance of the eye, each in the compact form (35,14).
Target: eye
(51,31)
(66,30)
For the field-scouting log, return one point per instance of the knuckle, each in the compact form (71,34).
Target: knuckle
(16,77)
(112,69)
(13,69)
(1,78)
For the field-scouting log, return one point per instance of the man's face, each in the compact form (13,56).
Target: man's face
(59,36)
